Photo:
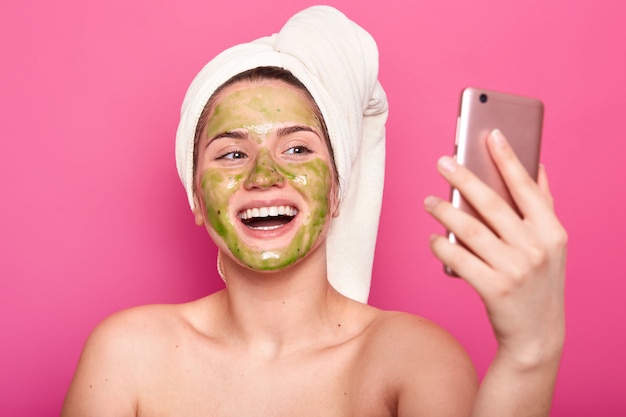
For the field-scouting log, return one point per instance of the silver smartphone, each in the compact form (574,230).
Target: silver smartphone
(480,111)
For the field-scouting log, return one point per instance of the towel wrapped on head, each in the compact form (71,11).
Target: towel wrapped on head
(337,61)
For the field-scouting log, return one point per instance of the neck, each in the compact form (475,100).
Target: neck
(274,312)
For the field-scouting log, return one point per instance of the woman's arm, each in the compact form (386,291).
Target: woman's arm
(516,263)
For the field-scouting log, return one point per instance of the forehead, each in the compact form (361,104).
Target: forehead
(266,96)
(264,102)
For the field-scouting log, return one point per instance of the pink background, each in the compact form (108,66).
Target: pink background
(94,219)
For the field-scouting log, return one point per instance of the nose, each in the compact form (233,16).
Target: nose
(264,173)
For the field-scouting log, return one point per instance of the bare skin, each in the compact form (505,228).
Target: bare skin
(279,341)
(191,360)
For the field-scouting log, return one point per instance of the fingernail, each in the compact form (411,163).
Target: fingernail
(430,202)
(447,164)
(498,137)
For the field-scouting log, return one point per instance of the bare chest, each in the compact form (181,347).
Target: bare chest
(334,383)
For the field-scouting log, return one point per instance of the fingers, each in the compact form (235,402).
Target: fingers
(533,199)
(474,234)
(499,238)
(526,193)
(470,268)
(494,210)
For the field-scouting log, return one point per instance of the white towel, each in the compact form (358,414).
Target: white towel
(337,61)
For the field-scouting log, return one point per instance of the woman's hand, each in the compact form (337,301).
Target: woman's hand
(516,262)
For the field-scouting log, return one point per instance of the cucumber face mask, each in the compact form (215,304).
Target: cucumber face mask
(264,182)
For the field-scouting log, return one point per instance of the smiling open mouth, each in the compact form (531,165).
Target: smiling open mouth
(267,218)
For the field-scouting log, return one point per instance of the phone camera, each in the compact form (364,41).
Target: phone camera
(483,98)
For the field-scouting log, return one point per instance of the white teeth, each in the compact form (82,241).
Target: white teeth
(268,212)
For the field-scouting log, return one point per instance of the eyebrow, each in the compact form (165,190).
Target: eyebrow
(233,134)
(284,131)
(281,131)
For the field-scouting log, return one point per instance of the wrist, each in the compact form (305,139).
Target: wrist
(533,356)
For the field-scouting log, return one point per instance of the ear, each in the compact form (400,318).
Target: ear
(197,210)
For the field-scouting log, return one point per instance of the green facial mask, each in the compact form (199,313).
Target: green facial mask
(259,110)
(311,179)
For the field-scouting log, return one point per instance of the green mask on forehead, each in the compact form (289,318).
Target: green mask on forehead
(257,109)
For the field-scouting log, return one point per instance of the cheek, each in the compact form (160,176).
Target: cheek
(217,188)
(313,180)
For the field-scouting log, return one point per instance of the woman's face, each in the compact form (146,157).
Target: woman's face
(264,184)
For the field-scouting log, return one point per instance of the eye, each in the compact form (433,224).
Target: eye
(233,155)
(298,150)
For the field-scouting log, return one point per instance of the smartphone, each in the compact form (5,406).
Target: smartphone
(480,111)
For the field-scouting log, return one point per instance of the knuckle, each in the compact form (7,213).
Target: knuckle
(517,275)
(492,203)
(536,255)
(472,230)
(503,288)
(560,238)
(555,240)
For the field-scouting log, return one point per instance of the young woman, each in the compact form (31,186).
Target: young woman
(273,160)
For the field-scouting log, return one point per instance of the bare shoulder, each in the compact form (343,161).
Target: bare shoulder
(137,324)
(429,369)
(119,354)
(135,333)
(397,331)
